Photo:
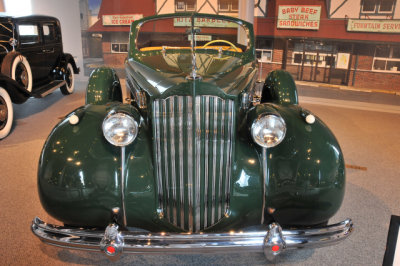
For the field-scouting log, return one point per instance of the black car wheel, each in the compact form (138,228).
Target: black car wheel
(21,75)
(17,67)
(69,87)
(6,113)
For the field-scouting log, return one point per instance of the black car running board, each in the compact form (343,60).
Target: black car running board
(45,90)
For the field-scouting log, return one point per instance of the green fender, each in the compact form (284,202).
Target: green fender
(279,87)
(103,87)
(79,176)
(305,181)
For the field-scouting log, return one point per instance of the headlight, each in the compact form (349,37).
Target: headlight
(268,130)
(120,129)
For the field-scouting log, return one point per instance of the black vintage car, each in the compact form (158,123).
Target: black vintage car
(33,63)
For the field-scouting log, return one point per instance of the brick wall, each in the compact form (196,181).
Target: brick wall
(376,80)
(115,60)
(266,68)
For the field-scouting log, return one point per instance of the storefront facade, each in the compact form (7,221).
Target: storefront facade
(352,43)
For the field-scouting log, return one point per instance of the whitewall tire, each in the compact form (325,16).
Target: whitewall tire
(70,79)
(6,113)
(21,72)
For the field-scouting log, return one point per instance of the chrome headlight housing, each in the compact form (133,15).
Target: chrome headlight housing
(268,130)
(120,129)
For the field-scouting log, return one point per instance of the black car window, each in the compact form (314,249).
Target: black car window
(28,33)
(49,33)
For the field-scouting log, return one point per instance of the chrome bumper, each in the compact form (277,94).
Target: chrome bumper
(112,241)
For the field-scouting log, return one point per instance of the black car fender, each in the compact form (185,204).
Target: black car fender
(17,93)
(64,60)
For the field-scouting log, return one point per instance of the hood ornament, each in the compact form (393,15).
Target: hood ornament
(193,31)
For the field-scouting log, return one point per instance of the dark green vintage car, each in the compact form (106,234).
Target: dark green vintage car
(193,163)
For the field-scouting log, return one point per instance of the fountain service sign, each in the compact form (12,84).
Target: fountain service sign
(374,25)
(299,17)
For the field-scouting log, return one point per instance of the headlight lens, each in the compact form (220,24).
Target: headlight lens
(120,129)
(268,130)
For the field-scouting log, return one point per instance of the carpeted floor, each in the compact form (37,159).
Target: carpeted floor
(368,138)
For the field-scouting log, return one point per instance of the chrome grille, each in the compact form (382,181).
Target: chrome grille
(193,151)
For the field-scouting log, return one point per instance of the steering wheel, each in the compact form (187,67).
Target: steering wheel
(223,41)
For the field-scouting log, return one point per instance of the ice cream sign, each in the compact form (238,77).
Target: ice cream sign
(120,20)
(299,17)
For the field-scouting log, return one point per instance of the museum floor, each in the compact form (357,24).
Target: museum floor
(367,132)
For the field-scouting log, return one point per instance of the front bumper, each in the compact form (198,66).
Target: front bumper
(272,241)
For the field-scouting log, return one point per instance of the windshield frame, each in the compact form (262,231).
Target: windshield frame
(136,25)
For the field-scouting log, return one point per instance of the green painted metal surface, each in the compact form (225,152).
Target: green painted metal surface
(306,172)
(279,87)
(103,87)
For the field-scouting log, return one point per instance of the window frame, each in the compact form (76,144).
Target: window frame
(230,9)
(386,59)
(321,63)
(55,38)
(186,9)
(262,52)
(377,10)
(38,31)
(119,47)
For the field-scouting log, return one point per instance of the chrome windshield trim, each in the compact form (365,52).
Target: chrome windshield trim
(173,243)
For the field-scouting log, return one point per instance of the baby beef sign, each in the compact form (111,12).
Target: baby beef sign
(299,17)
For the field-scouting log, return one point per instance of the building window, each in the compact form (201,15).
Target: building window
(119,47)
(264,55)
(264,50)
(377,6)
(310,59)
(228,5)
(185,5)
(387,59)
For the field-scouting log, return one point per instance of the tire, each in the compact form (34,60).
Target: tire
(6,113)
(70,79)
(17,67)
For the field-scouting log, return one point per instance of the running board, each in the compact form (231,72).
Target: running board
(45,90)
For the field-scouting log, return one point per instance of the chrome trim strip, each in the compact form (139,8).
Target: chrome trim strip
(157,127)
(165,139)
(214,157)
(191,147)
(198,165)
(172,155)
(206,157)
(172,243)
(221,164)
(265,176)
(123,170)
(228,154)
(181,161)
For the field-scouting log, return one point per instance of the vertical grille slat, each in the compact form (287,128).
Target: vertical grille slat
(193,141)
(181,163)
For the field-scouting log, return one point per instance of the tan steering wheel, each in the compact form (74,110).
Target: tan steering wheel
(223,41)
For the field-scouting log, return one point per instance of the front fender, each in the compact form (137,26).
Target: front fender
(103,87)
(79,176)
(305,174)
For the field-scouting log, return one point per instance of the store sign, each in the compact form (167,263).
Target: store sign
(120,20)
(299,17)
(374,25)
(204,22)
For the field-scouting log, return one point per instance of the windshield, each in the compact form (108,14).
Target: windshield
(176,33)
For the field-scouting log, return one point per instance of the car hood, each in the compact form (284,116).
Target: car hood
(158,73)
